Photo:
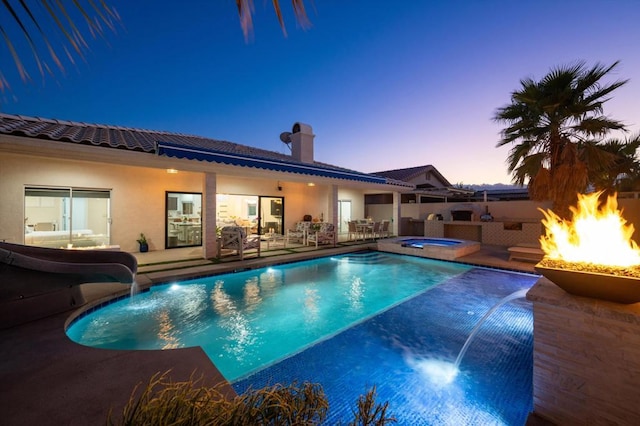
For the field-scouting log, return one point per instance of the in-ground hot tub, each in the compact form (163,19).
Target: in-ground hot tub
(436,248)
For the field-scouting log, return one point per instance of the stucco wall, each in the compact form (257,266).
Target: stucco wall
(516,211)
(138,194)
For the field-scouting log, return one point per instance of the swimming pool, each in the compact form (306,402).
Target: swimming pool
(384,333)
(248,320)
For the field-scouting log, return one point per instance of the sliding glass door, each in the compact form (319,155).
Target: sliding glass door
(256,213)
(67,217)
(271,215)
(344,215)
(183,219)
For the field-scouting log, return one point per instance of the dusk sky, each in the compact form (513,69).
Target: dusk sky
(383,84)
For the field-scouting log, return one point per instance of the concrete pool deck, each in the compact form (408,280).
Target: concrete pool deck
(47,379)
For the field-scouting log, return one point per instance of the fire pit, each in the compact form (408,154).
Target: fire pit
(592,255)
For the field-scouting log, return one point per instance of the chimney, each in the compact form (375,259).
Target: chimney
(302,143)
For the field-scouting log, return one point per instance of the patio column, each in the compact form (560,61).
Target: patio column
(333,209)
(395,218)
(209,202)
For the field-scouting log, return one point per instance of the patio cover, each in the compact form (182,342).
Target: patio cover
(191,153)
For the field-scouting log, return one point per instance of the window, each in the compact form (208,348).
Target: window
(67,217)
(183,219)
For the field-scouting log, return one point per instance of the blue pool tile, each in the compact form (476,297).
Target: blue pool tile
(397,350)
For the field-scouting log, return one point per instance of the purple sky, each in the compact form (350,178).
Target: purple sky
(384,84)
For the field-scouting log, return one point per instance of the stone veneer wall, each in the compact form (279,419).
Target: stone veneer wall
(495,233)
(586,360)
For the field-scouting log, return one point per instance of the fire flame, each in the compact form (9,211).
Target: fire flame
(598,235)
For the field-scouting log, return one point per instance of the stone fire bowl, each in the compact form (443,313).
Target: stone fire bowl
(613,288)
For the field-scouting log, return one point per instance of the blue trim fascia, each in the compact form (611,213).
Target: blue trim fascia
(181,151)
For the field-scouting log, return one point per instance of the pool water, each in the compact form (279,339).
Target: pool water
(408,350)
(400,324)
(248,320)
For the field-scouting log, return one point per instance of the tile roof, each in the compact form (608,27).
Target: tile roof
(116,136)
(140,140)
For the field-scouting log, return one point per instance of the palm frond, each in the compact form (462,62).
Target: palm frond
(246,10)
(38,22)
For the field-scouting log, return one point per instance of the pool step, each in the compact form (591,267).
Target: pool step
(368,258)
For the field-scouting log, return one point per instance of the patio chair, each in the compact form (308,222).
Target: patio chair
(298,234)
(353,230)
(325,234)
(235,238)
(383,230)
(377,226)
(365,228)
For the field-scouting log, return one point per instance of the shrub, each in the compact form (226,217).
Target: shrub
(164,402)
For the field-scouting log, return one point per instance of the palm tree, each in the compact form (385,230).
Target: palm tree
(624,173)
(45,20)
(557,125)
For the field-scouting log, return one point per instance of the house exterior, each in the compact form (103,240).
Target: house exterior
(425,178)
(509,207)
(428,185)
(72,184)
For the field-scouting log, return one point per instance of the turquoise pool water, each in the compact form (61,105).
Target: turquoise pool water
(249,320)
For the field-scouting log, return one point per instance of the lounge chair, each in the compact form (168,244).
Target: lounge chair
(325,234)
(235,238)
(298,234)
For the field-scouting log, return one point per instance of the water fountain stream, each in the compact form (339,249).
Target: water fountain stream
(515,295)
(135,288)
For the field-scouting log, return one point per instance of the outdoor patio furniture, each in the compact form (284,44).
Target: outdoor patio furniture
(353,230)
(324,234)
(298,234)
(377,228)
(235,238)
(383,230)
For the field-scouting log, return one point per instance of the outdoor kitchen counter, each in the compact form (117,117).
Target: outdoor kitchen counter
(503,233)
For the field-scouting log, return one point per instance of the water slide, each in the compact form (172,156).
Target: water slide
(36,282)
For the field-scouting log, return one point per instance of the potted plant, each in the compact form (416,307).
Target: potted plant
(142,241)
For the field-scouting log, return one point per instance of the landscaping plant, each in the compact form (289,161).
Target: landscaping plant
(165,402)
